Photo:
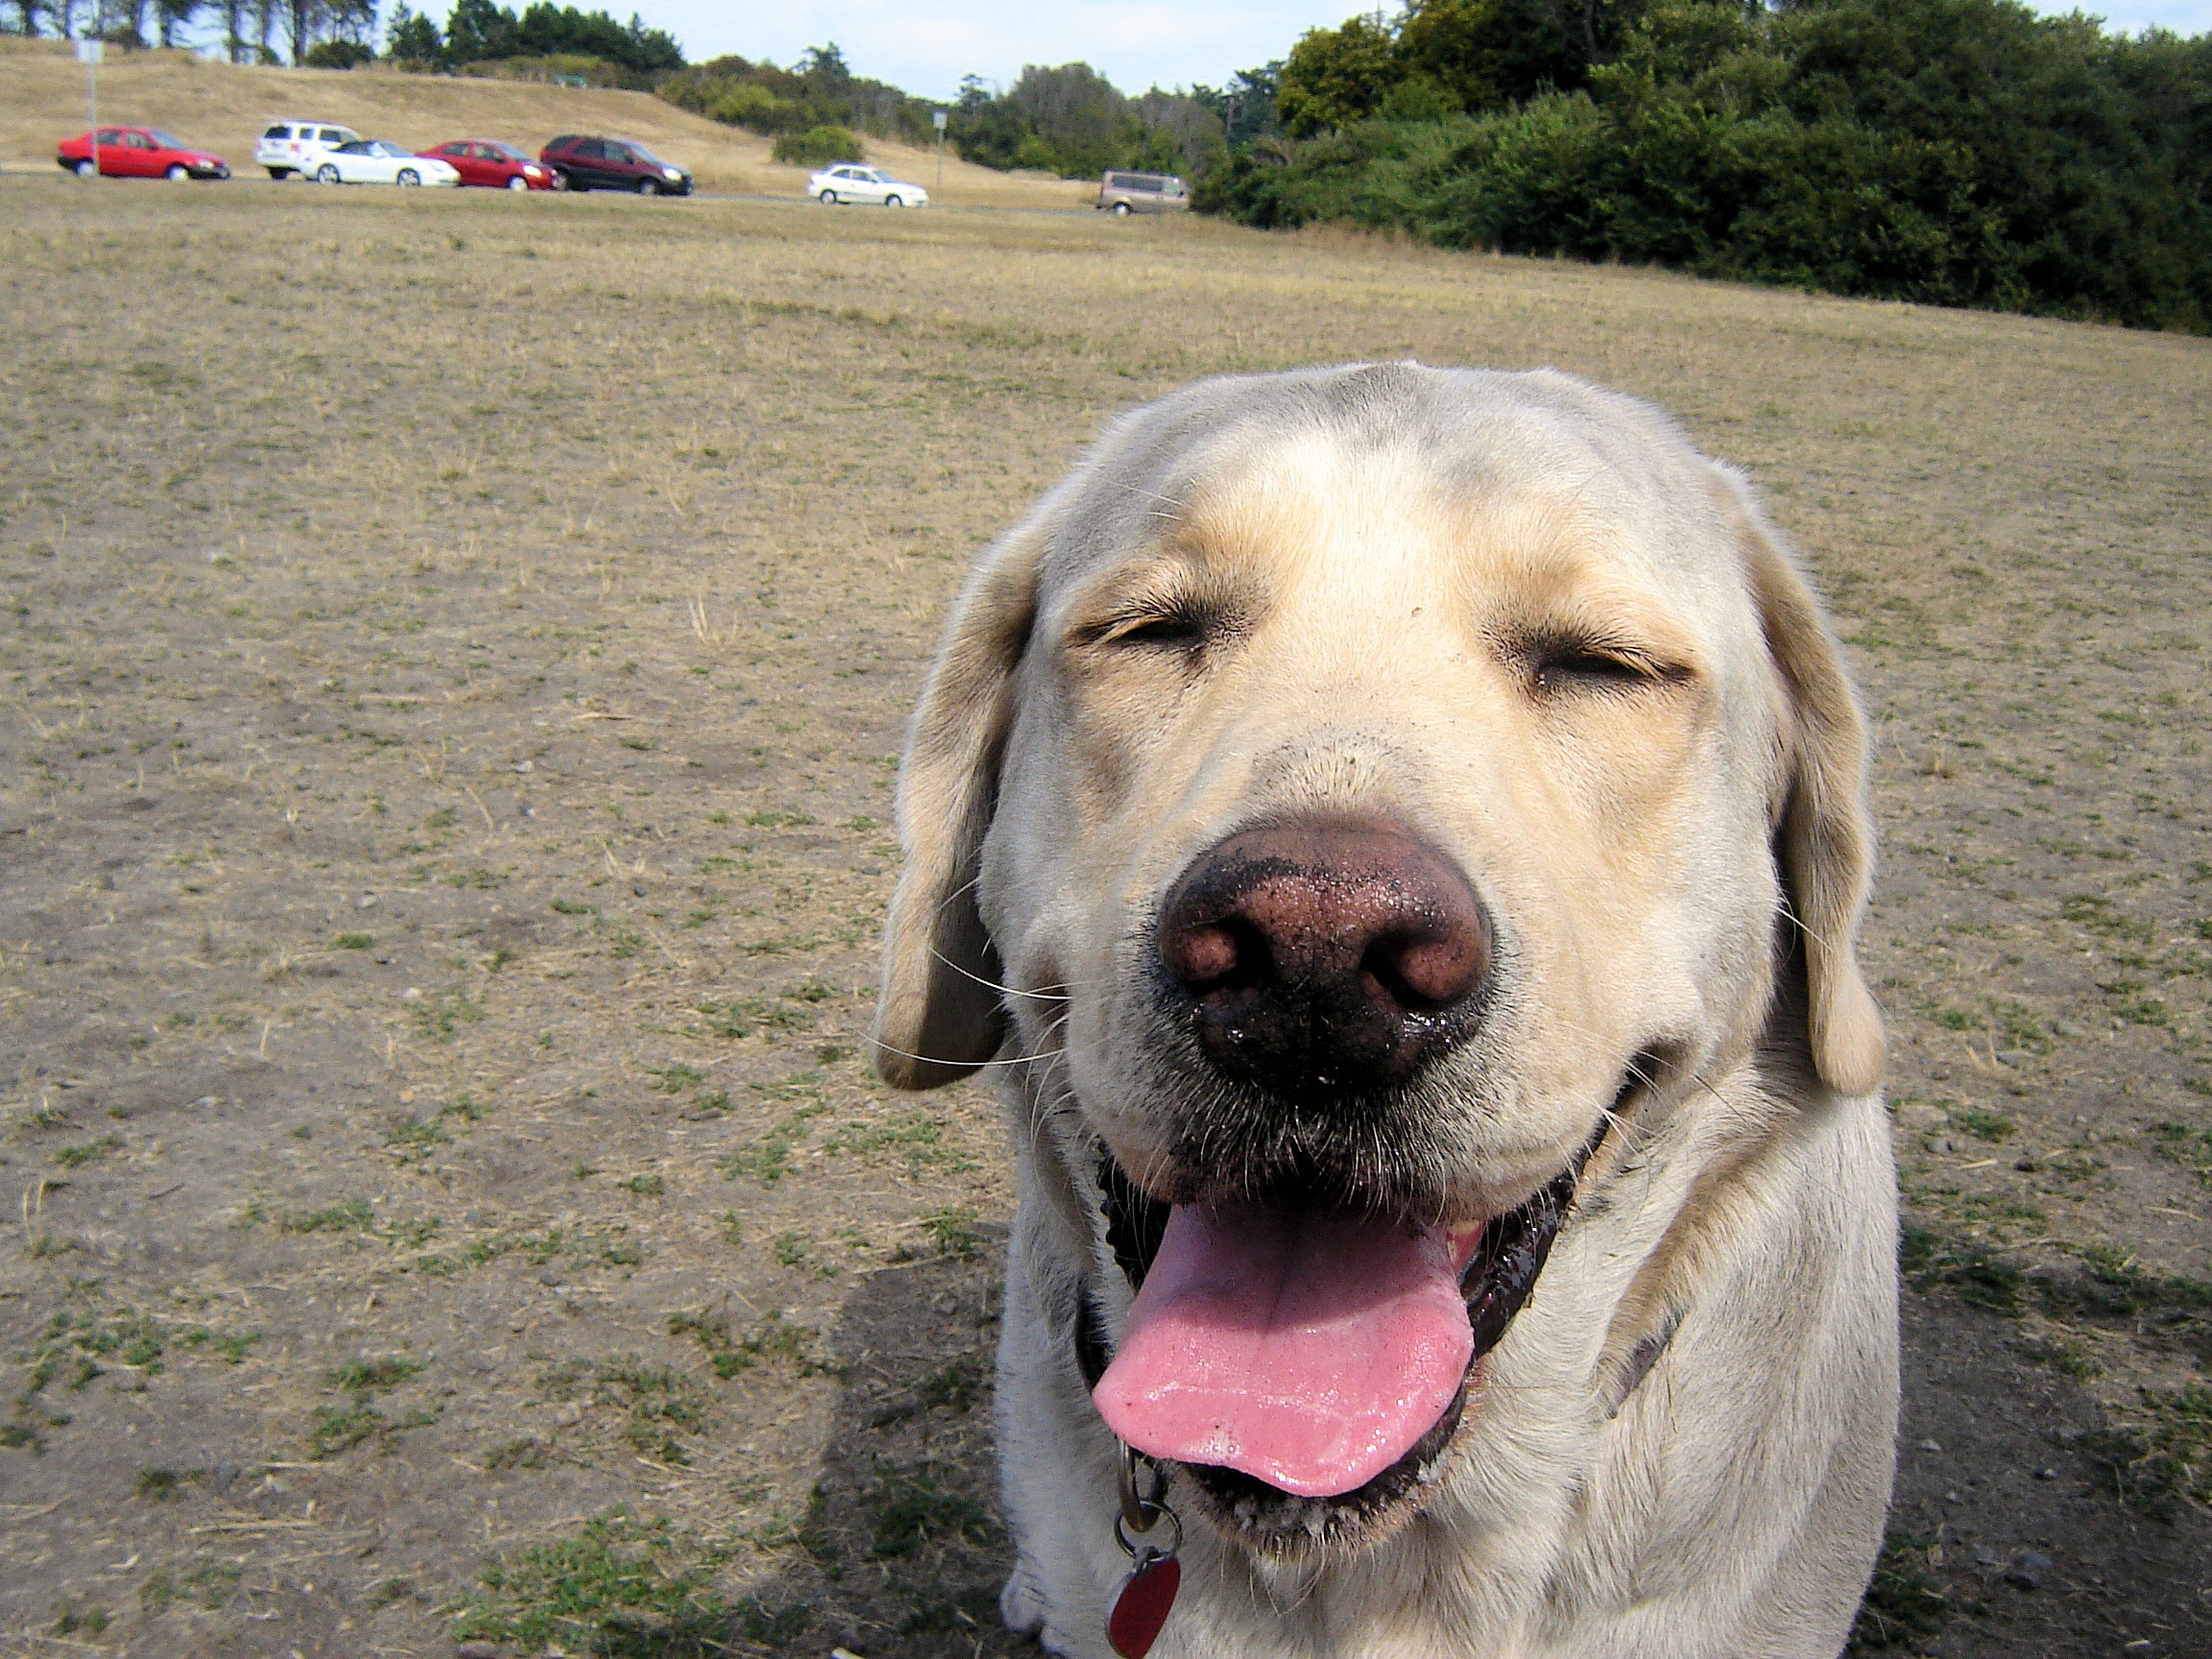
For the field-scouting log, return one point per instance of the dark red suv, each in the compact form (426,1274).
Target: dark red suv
(591,163)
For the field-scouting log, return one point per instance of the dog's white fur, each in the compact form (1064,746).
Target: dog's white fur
(1676,865)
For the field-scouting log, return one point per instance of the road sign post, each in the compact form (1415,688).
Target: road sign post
(88,55)
(937,120)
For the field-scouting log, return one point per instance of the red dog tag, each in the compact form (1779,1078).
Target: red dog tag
(1141,1605)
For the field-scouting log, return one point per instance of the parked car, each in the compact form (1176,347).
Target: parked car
(380,161)
(850,181)
(288,146)
(497,166)
(1122,193)
(598,163)
(138,152)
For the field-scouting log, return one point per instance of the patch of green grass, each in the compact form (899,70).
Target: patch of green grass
(1968,1267)
(773,1339)
(2162,1451)
(574,908)
(477,878)
(911,1510)
(209,1583)
(2101,917)
(2064,1354)
(522,1453)
(2183,1144)
(624,1587)
(953,1232)
(958,1385)
(414,1140)
(74,1343)
(442,1013)
(87,1152)
(1904,1605)
(768,1160)
(675,1077)
(659,1401)
(1983,1123)
(939,1613)
(361,1376)
(354,941)
(919,1138)
(644,1186)
(160,1484)
(776,820)
(339,1429)
(730,1226)
(72,1620)
(354,1216)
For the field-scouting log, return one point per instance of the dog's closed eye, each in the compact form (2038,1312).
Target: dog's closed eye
(1180,624)
(1564,664)
(1180,627)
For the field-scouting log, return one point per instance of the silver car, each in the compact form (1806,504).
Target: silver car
(851,182)
(1122,193)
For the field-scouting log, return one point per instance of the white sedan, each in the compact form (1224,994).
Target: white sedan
(850,181)
(379,162)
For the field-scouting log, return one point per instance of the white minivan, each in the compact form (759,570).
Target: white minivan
(288,147)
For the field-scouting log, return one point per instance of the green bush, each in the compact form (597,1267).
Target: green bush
(819,146)
(1949,152)
(820,90)
(337,55)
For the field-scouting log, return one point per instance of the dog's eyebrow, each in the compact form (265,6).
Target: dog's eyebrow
(1159,580)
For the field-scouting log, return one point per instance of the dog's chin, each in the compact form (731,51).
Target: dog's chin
(1498,1280)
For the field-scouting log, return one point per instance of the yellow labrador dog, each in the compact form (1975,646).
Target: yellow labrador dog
(1399,835)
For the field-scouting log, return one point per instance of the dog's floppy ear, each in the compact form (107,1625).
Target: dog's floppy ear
(938,1015)
(1826,839)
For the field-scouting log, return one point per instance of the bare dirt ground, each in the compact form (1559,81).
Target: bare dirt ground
(455,653)
(225,108)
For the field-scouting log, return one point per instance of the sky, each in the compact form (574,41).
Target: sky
(924,46)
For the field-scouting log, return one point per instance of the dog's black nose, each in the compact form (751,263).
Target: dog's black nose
(1324,958)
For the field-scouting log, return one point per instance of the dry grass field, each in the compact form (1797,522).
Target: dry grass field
(455,651)
(225,108)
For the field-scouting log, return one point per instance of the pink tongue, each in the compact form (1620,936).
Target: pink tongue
(1310,1351)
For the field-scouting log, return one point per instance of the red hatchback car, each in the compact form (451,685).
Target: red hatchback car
(139,153)
(498,166)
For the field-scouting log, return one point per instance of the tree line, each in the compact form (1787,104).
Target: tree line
(485,32)
(339,33)
(1952,152)
(820,95)
(1067,119)
(1071,120)
(249,30)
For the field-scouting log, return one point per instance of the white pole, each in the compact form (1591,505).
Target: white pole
(88,55)
(937,120)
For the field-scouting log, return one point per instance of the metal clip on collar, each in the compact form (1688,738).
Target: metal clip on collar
(1142,1511)
(1141,1605)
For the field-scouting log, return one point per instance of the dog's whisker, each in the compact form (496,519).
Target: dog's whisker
(989,984)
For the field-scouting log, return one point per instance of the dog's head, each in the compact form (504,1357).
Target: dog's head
(1357,790)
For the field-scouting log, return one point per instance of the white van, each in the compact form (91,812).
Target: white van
(288,147)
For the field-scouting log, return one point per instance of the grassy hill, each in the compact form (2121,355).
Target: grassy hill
(224,106)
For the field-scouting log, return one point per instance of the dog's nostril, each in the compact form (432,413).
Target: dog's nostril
(1202,955)
(1426,974)
(1215,955)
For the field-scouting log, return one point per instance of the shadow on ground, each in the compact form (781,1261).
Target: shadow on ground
(2010,1535)
(901,1553)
